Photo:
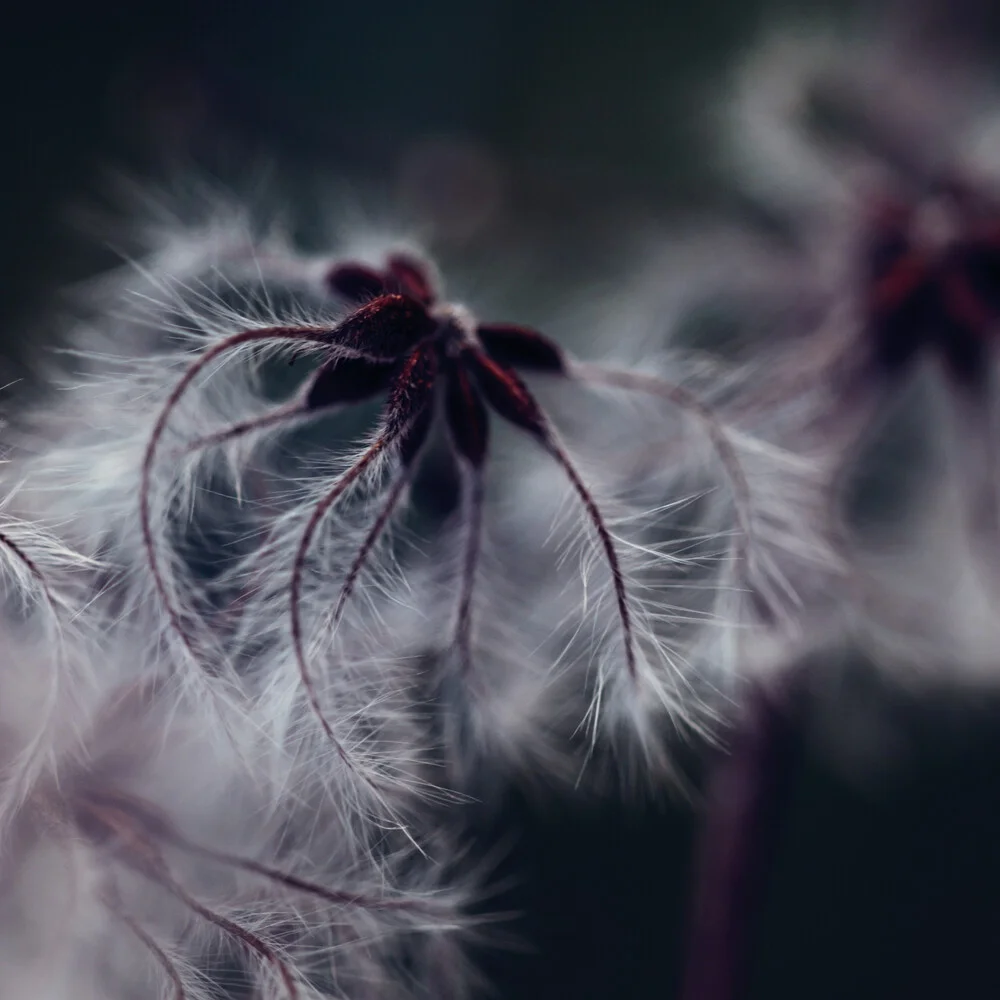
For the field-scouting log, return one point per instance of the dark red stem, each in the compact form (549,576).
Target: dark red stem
(746,793)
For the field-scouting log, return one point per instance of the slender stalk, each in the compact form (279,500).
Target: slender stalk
(747,791)
(473,540)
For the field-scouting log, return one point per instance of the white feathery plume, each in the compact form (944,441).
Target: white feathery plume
(172,794)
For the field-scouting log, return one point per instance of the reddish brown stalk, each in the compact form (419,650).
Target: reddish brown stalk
(295,587)
(747,789)
(162,958)
(379,525)
(473,528)
(336,897)
(174,615)
(721,443)
(510,397)
(130,819)
(246,427)
(233,929)
(403,428)
(29,564)
(120,820)
(607,543)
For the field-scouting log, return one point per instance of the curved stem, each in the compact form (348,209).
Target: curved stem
(721,443)
(174,615)
(29,564)
(507,394)
(388,505)
(163,959)
(556,450)
(233,431)
(473,540)
(298,568)
(233,929)
(334,896)
(120,820)
(408,400)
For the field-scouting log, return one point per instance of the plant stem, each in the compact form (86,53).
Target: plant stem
(747,789)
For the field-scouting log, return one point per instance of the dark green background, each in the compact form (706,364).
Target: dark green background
(888,868)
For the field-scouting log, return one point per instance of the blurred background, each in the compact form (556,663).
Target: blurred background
(534,140)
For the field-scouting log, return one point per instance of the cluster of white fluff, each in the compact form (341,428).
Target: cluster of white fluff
(172,821)
(176,799)
(180,798)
